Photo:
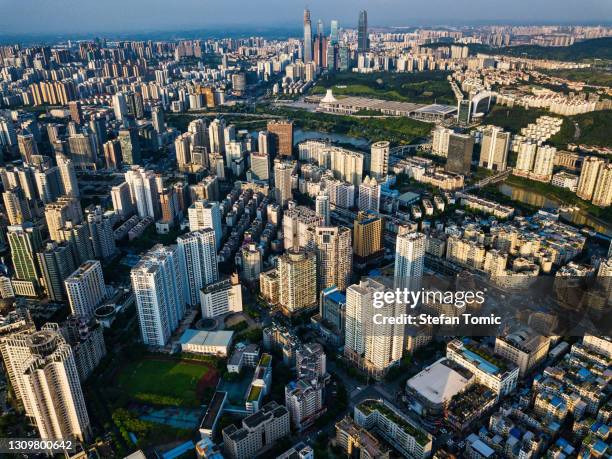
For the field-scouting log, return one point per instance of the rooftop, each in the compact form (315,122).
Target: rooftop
(438,382)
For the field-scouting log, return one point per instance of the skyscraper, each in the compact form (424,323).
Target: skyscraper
(198,260)
(588,177)
(379,160)
(112,154)
(130,146)
(282,181)
(367,236)
(602,195)
(101,233)
(297,270)
(59,212)
(17,206)
(52,386)
(334,256)
(205,214)
(409,260)
(372,346)
(494,149)
(25,241)
(281,137)
(56,264)
(322,207)
(157,282)
(67,176)
(122,201)
(459,154)
(144,192)
(85,288)
(307,37)
(363,41)
(369,195)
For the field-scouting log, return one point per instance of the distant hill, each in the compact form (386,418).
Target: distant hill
(588,49)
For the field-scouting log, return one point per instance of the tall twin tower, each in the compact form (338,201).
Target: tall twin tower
(363,42)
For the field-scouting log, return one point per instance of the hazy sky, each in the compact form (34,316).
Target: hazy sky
(95,16)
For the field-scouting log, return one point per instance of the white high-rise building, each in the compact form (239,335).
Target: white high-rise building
(526,156)
(205,214)
(440,141)
(85,288)
(221,297)
(157,282)
(120,106)
(544,162)
(322,207)
(263,143)
(282,180)
(409,260)
(372,345)
(334,256)
(52,386)
(143,191)
(494,149)
(68,176)
(379,160)
(347,165)
(198,258)
(216,136)
(122,200)
(16,354)
(369,195)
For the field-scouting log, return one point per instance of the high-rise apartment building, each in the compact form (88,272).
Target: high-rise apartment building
(409,260)
(369,195)
(372,345)
(59,212)
(459,154)
(368,236)
(334,256)
(143,191)
(602,195)
(282,181)
(56,264)
(322,207)
(281,137)
(588,177)
(16,205)
(112,154)
(298,281)
(130,146)
(85,288)
(379,160)
(494,149)
(204,214)
(68,176)
(53,389)
(260,166)
(249,258)
(198,260)
(157,282)
(101,233)
(25,241)
(122,200)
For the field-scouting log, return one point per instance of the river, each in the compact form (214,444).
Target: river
(358,142)
(579,218)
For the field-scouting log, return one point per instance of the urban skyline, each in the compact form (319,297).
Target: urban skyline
(139,18)
(348,241)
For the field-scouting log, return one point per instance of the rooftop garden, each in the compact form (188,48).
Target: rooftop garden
(369,406)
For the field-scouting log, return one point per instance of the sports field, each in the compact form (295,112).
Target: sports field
(166,381)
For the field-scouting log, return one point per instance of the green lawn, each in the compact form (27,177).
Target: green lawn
(594,129)
(162,382)
(513,119)
(418,87)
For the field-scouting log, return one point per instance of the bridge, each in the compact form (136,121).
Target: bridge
(488,180)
